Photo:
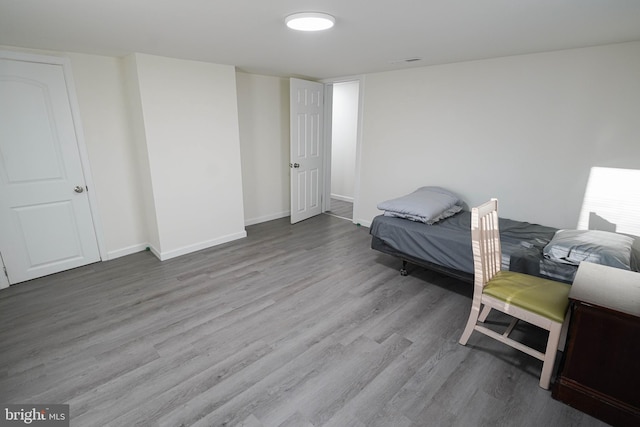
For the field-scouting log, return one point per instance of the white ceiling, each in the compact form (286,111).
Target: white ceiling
(369,35)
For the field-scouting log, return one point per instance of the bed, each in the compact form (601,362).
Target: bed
(438,237)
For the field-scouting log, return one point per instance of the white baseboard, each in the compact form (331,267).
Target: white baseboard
(265,218)
(126,251)
(162,256)
(199,246)
(363,223)
(343,198)
(155,252)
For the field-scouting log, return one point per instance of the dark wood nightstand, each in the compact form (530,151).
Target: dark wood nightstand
(600,369)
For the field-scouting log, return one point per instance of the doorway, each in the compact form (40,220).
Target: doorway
(344,142)
(324,147)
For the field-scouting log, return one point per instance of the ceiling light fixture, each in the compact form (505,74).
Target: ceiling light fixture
(310,21)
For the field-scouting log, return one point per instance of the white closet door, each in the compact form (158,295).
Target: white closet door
(45,219)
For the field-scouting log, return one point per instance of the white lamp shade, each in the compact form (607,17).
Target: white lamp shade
(310,21)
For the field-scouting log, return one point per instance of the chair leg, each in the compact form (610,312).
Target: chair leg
(471,323)
(484,313)
(550,355)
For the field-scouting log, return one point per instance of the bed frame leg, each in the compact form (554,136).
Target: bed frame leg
(403,270)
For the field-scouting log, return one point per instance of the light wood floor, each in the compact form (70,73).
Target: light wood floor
(299,325)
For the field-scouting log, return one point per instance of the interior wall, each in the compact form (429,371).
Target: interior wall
(140,152)
(344,133)
(525,129)
(263,115)
(102,99)
(190,116)
(191,110)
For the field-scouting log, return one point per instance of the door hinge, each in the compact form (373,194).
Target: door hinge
(6,273)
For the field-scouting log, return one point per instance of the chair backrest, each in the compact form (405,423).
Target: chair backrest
(485,239)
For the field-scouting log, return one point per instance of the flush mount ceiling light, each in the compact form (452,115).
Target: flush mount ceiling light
(310,21)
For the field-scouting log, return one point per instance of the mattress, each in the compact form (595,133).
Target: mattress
(448,244)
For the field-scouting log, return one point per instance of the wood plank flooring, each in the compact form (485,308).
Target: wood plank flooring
(295,325)
(341,209)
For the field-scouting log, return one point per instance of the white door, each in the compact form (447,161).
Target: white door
(307,111)
(45,220)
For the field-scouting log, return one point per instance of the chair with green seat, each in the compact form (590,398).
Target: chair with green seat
(535,300)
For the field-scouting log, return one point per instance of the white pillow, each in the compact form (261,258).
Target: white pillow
(596,246)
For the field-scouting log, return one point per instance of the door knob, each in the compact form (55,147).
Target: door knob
(296,165)
(78,189)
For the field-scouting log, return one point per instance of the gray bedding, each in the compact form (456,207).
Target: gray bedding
(448,244)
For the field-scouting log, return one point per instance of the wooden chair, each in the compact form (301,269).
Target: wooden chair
(535,300)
